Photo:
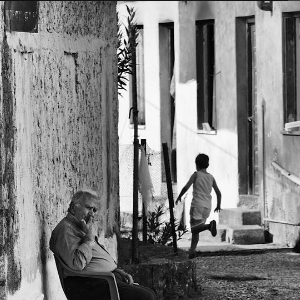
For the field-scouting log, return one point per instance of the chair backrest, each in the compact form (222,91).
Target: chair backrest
(108,276)
(60,271)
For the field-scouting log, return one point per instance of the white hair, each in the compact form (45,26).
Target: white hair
(82,195)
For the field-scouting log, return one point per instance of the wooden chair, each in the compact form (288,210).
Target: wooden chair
(108,276)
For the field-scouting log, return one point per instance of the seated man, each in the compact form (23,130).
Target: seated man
(74,241)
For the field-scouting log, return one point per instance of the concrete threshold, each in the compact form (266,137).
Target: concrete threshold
(224,248)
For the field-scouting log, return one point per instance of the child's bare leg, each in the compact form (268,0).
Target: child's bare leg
(194,242)
(199,228)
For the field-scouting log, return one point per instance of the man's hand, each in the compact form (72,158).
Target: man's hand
(125,276)
(90,231)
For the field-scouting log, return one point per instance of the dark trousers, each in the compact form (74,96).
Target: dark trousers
(86,288)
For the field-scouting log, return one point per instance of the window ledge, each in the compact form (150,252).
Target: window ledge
(210,132)
(295,133)
(292,126)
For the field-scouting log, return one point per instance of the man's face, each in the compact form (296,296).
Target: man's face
(86,209)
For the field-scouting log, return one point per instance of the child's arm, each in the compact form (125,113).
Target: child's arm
(186,187)
(219,196)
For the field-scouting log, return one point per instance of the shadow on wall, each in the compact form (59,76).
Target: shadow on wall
(44,255)
(297,246)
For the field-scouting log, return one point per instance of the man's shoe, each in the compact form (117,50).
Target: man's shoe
(213,228)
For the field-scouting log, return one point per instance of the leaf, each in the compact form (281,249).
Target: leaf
(126,48)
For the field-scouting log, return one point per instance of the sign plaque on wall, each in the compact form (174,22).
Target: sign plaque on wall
(21,16)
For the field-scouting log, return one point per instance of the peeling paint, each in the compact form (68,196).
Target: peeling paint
(7,170)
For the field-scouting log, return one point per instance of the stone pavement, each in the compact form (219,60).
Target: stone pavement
(265,275)
(227,271)
(260,271)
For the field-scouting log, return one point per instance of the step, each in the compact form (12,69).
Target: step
(239,216)
(245,235)
(206,237)
(249,201)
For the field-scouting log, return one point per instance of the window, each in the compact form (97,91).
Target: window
(291,66)
(139,79)
(205,59)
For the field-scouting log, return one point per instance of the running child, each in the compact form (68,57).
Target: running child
(203,183)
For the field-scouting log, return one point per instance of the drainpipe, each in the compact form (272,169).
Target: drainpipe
(263,163)
(135,208)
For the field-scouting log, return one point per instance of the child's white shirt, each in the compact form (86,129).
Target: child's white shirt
(202,188)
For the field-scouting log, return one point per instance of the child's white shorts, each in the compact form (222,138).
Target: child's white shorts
(198,215)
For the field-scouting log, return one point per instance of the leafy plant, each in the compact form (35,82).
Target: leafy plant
(126,48)
(160,232)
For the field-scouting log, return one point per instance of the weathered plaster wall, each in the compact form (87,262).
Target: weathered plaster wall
(282,195)
(149,14)
(59,133)
(222,146)
(279,195)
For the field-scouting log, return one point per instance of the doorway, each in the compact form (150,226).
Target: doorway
(167,94)
(247,107)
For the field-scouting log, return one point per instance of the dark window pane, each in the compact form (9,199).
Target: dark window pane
(205,59)
(290,68)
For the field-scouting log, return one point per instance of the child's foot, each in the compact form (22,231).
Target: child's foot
(213,228)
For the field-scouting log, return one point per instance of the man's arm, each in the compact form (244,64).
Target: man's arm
(73,245)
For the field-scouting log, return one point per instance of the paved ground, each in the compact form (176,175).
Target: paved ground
(262,271)
(257,275)
(226,271)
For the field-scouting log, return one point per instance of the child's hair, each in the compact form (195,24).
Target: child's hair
(202,161)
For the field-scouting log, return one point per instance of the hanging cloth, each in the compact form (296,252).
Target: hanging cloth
(146,185)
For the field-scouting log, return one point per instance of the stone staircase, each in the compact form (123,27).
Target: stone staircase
(241,225)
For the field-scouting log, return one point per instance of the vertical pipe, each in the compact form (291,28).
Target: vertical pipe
(135,208)
(143,143)
(263,161)
(170,194)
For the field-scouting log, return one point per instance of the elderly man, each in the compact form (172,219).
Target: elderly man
(74,240)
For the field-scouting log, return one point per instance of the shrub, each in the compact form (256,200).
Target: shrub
(160,232)
(126,48)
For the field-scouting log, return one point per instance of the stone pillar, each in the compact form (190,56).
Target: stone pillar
(169,279)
